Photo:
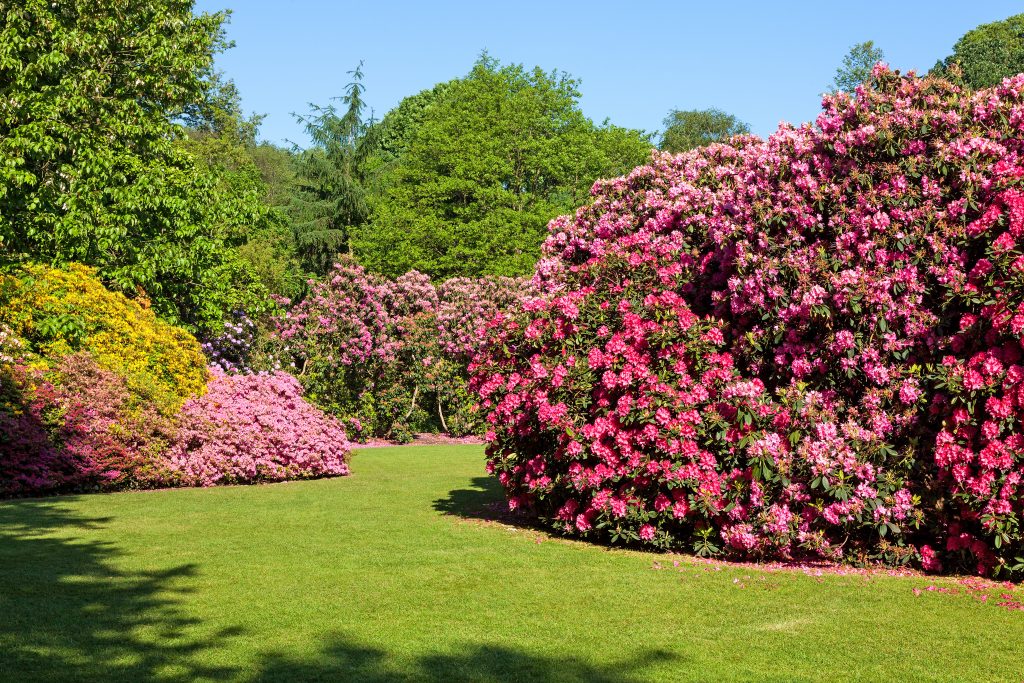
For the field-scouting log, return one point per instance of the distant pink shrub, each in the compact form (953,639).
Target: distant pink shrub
(254,428)
(466,305)
(392,354)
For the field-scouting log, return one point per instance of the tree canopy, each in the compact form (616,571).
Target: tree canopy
(987,54)
(331,201)
(857,65)
(472,171)
(685,130)
(92,96)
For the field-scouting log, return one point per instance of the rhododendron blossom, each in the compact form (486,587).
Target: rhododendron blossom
(392,353)
(811,343)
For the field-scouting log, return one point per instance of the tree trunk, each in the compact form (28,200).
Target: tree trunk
(444,425)
(415,391)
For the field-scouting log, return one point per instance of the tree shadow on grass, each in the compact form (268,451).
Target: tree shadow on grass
(68,612)
(484,501)
(344,660)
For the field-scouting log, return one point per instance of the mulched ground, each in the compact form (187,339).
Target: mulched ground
(424,440)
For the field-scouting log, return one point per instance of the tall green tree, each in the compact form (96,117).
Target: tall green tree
(331,202)
(856,66)
(685,130)
(479,166)
(987,54)
(223,139)
(92,96)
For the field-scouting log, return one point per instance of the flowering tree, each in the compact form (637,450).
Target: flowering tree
(808,345)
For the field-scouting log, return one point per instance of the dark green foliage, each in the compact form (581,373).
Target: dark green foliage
(331,201)
(685,130)
(856,66)
(93,166)
(986,55)
(470,172)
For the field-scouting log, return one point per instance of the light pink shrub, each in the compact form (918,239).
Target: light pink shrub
(253,428)
(392,354)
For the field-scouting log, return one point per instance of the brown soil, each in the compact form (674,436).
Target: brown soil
(424,440)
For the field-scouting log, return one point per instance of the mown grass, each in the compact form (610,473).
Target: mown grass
(389,575)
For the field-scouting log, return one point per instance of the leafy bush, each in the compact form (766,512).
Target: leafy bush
(250,428)
(803,346)
(57,312)
(466,305)
(94,166)
(468,174)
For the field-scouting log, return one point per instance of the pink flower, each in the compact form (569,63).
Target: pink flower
(929,560)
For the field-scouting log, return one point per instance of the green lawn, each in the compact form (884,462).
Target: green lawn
(388,575)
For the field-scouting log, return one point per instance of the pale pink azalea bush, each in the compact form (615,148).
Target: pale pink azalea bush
(807,346)
(255,428)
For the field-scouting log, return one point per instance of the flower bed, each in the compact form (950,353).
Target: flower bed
(96,393)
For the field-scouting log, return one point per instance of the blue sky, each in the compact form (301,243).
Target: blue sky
(765,61)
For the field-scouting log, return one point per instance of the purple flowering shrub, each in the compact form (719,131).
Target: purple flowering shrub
(255,428)
(29,462)
(391,355)
(232,349)
(804,346)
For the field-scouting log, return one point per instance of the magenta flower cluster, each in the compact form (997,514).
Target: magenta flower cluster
(77,427)
(804,346)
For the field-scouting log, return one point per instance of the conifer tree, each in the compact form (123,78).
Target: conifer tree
(331,201)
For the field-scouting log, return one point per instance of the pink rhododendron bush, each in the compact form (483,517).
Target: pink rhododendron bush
(390,356)
(807,346)
(249,428)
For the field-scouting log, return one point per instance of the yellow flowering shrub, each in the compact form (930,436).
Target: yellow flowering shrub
(61,311)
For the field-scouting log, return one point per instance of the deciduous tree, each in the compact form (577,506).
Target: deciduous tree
(685,130)
(478,168)
(92,96)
